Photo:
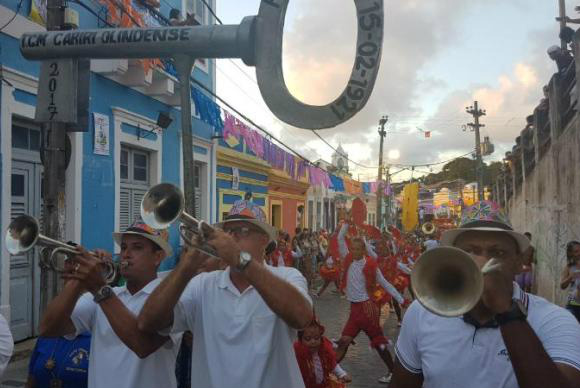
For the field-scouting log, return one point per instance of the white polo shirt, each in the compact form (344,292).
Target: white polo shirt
(111,362)
(6,344)
(237,340)
(452,353)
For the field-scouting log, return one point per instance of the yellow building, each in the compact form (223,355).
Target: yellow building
(238,172)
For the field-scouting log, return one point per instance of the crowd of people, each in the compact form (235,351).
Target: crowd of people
(246,315)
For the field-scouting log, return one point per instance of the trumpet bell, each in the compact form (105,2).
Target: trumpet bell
(447,281)
(22,234)
(428,228)
(162,205)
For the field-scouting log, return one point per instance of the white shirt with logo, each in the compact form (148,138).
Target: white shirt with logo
(449,352)
(238,341)
(111,362)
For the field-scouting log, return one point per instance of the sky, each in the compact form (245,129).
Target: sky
(438,57)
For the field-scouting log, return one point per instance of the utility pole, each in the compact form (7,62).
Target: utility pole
(562,5)
(54,143)
(475,126)
(380,188)
(184,66)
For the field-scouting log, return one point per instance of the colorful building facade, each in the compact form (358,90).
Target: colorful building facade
(239,173)
(121,153)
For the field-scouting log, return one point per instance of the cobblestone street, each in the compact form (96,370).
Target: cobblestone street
(361,362)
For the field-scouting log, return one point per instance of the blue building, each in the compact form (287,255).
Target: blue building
(108,174)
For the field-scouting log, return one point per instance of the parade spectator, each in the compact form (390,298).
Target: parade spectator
(283,256)
(525,278)
(6,344)
(509,339)
(175,19)
(121,354)
(59,362)
(361,277)
(562,58)
(243,319)
(571,278)
(317,358)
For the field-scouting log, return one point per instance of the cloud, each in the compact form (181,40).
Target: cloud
(319,55)
(319,47)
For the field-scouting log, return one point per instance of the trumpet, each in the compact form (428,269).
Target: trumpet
(428,228)
(23,234)
(448,282)
(163,204)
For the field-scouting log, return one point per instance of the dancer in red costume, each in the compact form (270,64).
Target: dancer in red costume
(283,256)
(395,272)
(330,273)
(361,277)
(317,359)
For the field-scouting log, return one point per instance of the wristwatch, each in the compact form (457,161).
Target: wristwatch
(104,293)
(517,312)
(245,259)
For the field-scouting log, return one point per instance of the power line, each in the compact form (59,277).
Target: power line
(13,16)
(344,156)
(430,164)
(212,12)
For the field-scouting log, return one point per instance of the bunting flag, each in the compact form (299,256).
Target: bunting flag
(337,183)
(231,133)
(38,12)
(352,187)
(207,109)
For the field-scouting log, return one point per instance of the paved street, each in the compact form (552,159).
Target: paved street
(362,362)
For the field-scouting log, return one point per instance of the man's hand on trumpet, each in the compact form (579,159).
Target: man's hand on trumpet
(191,260)
(88,269)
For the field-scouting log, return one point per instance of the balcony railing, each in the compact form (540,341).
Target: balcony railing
(156,78)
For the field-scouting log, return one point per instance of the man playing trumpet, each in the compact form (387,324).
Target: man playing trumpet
(121,354)
(509,339)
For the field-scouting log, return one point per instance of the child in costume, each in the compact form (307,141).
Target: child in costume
(330,273)
(317,359)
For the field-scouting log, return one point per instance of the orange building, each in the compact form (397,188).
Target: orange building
(286,201)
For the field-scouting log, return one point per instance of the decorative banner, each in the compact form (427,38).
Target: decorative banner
(38,11)
(235,178)
(410,206)
(101,146)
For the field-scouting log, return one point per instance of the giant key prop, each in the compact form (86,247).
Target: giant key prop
(257,41)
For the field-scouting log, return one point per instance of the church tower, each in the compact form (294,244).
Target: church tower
(340,160)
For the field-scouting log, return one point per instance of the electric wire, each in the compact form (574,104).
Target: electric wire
(13,16)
